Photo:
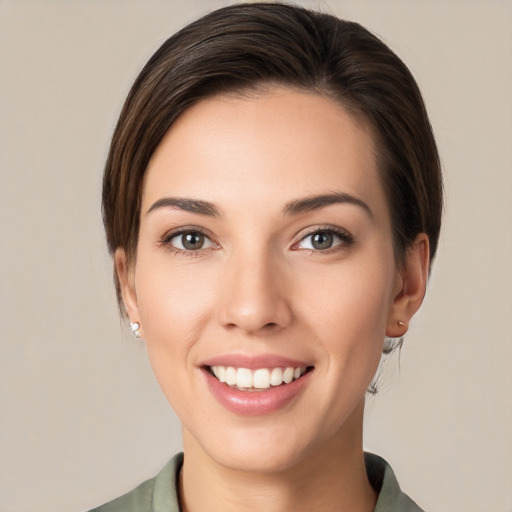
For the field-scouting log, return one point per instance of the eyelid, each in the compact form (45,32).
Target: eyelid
(347,239)
(165,240)
(208,244)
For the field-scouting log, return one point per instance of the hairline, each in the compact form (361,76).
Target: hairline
(261,88)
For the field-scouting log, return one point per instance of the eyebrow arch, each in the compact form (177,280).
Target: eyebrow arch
(188,205)
(312,203)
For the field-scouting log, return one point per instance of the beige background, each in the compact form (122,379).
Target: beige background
(81,418)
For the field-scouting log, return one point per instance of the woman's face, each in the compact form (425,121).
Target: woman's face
(265,244)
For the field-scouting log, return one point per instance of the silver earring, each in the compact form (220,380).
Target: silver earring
(135,326)
(400,323)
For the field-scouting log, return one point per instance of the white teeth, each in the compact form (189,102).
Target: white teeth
(231,376)
(221,373)
(244,378)
(262,378)
(288,375)
(276,377)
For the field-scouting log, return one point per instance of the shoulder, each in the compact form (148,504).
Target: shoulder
(383,480)
(154,494)
(139,499)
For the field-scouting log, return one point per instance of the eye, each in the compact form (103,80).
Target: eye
(189,241)
(325,239)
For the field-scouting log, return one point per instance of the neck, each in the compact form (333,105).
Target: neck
(331,478)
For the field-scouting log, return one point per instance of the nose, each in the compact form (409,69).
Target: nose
(254,296)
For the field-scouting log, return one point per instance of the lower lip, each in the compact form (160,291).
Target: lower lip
(254,403)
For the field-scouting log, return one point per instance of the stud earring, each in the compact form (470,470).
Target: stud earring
(135,326)
(400,323)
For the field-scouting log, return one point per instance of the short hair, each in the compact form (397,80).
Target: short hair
(245,47)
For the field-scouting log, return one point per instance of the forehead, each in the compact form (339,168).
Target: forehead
(276,146)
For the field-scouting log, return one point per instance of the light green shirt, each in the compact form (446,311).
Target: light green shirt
(160,494)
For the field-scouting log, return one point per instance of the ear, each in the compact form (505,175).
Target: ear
(409,287)
(127,285)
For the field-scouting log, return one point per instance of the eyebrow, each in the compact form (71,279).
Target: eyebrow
(188,205)
(312,203)
(295,207)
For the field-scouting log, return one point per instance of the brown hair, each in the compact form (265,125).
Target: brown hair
(245,46)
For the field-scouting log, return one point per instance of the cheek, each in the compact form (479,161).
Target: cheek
(174,306)
(172,299)
(352,298)
(347,314)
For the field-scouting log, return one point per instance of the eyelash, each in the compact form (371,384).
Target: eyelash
(347,240)
(166,241)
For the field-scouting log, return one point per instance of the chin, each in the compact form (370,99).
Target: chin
(259,450)
(255,459)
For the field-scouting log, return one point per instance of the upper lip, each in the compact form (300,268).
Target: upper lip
(254,362)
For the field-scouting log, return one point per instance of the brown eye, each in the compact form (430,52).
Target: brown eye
(190,241)
(193,241)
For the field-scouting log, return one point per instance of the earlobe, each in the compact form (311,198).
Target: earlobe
(126,284)
(412,285)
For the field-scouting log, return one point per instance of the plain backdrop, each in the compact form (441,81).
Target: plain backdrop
(81,417)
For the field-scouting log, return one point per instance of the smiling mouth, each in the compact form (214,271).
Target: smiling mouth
(261,379)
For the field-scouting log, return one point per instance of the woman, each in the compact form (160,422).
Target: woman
(272,200)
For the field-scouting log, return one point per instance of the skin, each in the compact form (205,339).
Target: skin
(259,286)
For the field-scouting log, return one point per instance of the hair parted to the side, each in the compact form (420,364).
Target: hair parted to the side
(244,47)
